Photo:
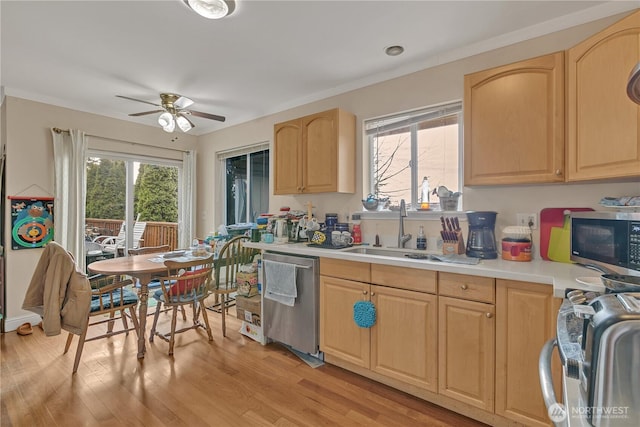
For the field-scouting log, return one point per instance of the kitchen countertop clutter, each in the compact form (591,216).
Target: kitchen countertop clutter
(559,275)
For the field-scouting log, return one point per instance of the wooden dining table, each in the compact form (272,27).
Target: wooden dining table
(142,268)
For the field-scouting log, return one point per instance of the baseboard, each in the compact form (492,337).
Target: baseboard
(12,323)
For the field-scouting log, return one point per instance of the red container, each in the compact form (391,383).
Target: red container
(516,249)
(356,233)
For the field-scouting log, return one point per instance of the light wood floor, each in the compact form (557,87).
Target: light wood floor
(227,382)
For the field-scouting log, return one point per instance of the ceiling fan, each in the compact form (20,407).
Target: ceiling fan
(175,111)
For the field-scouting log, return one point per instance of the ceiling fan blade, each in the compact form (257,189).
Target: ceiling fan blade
(145,113)
(205,115)
(182,102)
(138,100)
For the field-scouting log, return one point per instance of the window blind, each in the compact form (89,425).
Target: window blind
(433,116)
(240,151)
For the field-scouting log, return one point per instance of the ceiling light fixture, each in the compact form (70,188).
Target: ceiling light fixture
(184,124)
(167,122)
(211,9)
(393,50)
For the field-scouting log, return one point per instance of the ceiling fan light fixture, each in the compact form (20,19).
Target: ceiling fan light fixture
(183,123)
(210,9)
(167,122)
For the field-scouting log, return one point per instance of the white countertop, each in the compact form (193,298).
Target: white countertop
(559,275)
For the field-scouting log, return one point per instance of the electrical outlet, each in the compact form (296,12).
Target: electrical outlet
(527,220)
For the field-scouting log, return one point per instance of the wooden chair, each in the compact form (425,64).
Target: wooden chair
(109,295)
(155,283)
(186,283)
(232,255)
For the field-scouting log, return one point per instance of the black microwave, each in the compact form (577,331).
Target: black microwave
(607,241)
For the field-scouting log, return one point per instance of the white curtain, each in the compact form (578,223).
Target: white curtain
(187,213)
(69,152)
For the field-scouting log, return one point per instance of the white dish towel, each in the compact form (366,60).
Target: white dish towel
(280,281)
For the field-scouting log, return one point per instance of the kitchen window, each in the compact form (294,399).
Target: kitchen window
(246,183)
(406,147)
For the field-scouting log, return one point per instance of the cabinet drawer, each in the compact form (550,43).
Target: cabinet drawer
(350,270)
(412,279)
(467,287)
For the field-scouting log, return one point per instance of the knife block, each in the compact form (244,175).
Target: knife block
(454,246)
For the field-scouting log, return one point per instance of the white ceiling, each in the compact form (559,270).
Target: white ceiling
(266,57)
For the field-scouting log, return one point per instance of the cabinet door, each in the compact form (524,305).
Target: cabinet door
(525,320)
(466,351)
(514,123)
(287,146)
(339,334)
(404,339)
(319,134)
(603,123)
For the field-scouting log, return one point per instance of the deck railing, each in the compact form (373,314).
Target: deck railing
(155,233)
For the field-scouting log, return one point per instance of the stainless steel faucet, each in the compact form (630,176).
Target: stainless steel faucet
(402,238)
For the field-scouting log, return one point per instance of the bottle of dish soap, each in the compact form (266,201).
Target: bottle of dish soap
(421,240)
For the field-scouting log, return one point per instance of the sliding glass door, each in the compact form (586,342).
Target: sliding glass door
(246,186)
(123,190)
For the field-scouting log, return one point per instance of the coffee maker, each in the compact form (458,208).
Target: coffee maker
(481,242)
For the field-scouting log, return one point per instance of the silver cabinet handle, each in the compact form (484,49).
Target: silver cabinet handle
(489,315)
(364,292)
(464,287)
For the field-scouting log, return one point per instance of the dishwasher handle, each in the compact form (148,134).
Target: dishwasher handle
(555,409)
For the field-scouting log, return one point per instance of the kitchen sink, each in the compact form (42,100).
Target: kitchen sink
(412,254)
(392,252)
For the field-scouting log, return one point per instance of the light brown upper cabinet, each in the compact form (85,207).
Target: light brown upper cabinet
(603,138)
(514,123)
(315,154)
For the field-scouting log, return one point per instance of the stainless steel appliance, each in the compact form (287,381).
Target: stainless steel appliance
(296,326)
(607,241)
(598,339)
(481,242)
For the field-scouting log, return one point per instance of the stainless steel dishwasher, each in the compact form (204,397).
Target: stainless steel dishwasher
(296,326)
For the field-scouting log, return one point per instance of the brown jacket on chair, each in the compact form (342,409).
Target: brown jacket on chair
(58,292)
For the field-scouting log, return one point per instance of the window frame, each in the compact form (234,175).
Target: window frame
(411,120)
(225,155)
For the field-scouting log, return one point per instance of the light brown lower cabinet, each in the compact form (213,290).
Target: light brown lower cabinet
(472,348)
(339,335)
(401,345)
(466,351)
(404,339)
(525,320)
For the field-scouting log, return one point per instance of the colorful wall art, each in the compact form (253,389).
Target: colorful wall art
(31,222)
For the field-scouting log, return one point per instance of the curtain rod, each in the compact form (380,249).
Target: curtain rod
(58,130)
